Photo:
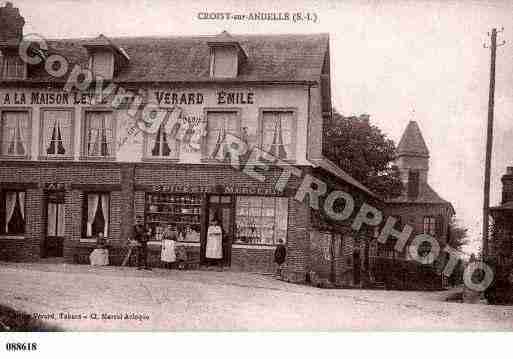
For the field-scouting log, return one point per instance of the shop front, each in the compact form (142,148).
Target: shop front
(248,222)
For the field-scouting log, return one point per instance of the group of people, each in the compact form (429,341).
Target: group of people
(172,255)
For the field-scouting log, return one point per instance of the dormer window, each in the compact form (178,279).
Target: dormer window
(102,64)
(226,56)
(105,57)
(12,67)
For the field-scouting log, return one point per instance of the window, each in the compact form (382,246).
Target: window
(278,134)
(413,183)
(95,214)
(163,143)
(219,124)
(57,133)
(99,134)
(102,64)
(223,62)
(261,220)
(12,67)
(56,223)
(13,212)
(429,225)
(181,210)
(15,132)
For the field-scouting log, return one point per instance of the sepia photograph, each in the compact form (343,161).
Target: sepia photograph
(255,166)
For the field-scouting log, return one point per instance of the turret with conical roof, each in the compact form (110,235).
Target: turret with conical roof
(412,157)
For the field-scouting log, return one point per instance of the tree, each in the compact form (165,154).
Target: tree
(363,151)
(457,236)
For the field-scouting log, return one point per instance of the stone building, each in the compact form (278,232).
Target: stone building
(145,137)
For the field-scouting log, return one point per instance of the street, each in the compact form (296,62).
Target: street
(80,297)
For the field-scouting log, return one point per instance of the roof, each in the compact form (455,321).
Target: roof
(412,143)
(507,206)
(427,195)
(288,58)
(332,168)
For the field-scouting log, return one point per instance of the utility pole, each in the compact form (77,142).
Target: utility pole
(489,139)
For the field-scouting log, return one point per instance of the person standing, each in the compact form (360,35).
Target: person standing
(280,253)
(168,254)
(141,235)
(100,255)
(214,249)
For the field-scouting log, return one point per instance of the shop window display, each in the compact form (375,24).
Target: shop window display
(182,211)
(261,220)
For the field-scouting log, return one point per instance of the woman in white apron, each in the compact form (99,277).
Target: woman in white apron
(168,254)
(214,250)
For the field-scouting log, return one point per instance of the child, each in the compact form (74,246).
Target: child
(280,253)
(100,256)
(168,255)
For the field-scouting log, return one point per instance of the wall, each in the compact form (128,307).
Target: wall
(276,96)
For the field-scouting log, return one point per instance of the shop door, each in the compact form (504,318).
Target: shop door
(55,211)
(222,208)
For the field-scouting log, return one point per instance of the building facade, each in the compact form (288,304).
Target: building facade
(146,137)
(418,206)
(500,247)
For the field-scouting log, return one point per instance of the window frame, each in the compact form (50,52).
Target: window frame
(4,67)
(204,143)
(147,157)
(83,150)
(28,151)
(260,129)
(413,188)
(275,198)
(3,232)
(83,226)
(431,225)
(42,153)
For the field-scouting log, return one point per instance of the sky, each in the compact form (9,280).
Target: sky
(394,60)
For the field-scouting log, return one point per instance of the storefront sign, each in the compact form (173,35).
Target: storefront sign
(235,98)
(88,98)
(179,98)
(239,190)
(54,186)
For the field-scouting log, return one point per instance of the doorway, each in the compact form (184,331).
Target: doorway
(221,208)
(55,225)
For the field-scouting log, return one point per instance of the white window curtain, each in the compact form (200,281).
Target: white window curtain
(20,139)
(21,197)
(10,203)
(105,208)
(14,130)
(57,132)
(61,227)
(92,207)
(99,134)
(219,125)
(56,217)
(277,134)
(52,217)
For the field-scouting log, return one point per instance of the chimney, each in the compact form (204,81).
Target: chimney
(11,24)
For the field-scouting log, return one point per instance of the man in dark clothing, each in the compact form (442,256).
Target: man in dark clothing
(141,236)
(280,253)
